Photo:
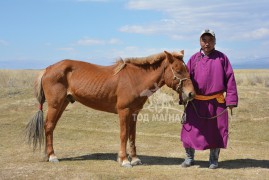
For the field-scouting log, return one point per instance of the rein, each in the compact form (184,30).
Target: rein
(183,119)
(213,117)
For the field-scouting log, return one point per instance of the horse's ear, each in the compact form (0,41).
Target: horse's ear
(169,56)
(182,52)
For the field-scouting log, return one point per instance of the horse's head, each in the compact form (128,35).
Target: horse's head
(176,75)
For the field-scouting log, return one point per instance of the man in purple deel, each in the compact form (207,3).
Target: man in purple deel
(206,124)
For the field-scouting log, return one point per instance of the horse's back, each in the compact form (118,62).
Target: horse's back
(90,84)
(64,68)
(68,65)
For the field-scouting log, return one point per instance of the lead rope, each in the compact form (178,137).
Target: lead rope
(202,117)
(183,118)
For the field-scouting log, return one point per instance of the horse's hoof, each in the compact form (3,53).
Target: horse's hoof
(126,164)
(136,162)
(53,159)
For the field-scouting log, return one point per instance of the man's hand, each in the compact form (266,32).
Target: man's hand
(231,108)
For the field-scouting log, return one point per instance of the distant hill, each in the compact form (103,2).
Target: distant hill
(262,63)
(256,64)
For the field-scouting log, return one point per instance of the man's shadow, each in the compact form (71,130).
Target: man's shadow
(237,164)
(158,160)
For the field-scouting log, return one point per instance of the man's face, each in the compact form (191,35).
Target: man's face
(207,43)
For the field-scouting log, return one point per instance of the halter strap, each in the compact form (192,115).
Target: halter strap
(179,86)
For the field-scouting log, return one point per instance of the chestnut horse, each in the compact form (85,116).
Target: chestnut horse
(116,89)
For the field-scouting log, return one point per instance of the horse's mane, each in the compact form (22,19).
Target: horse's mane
(139,61)
(142,61)
(149,60)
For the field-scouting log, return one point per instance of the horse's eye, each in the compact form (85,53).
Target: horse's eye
(179,72)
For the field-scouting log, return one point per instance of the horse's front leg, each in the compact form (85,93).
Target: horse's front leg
(132,135)
(124,116)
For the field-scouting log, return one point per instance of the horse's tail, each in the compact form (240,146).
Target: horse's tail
(35,127)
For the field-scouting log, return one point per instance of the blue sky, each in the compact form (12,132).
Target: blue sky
(37,33)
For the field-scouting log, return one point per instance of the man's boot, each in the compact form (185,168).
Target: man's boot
(213,158)
(189,160)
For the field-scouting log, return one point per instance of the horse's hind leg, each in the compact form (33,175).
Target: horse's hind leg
(54,113)
(132,135)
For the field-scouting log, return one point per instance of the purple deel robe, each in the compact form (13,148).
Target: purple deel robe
(210,75)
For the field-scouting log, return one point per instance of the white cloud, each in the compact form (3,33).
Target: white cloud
(139,29)
(114,41)
(135,51)
(3,43)
(91,42)
(164,26)
(152,4)
(265,43)
(69,49)
(182,18)
(257,34)
(92,0)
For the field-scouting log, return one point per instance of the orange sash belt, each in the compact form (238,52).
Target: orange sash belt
(220,97)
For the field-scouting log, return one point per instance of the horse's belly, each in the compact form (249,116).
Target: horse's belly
(98,104)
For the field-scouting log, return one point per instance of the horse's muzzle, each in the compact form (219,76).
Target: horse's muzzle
(191,96)
(187,96)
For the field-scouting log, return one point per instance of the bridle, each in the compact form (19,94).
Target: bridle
(180,81)
(180,90)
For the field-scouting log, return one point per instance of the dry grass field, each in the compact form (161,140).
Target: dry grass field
(87,141)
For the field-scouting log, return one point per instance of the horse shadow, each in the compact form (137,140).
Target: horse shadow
(147,160)
(158,160)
